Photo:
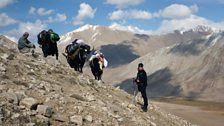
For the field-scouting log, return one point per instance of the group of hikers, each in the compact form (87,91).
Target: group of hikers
(77,53)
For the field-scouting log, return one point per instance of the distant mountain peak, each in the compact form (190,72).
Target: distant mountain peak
(86,27)
(203,28)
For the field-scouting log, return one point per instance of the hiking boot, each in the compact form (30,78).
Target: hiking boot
(144,108)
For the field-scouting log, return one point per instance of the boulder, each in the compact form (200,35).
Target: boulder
(45,110)
(11,97)
(76,119)
(78,97)
(30,103)
(88,118)
(59,117)
(42,120)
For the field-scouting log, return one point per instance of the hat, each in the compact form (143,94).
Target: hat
(50,30)
(140,65)
(26,33)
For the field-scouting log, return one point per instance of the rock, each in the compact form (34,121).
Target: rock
(32,113)
(15,116)
(131,106)
(79,109)
(90,98)
(60,118)
(88,118)
(30,103)
(30,124)
(20,95)
(42,121)
(120,119)
(78,97)
(11,97)
(4,56)
(76,119)
(11,57)
(2,68)
(45,110)
(152,123)
(101,103)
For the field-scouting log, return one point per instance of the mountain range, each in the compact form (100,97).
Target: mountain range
(185,64)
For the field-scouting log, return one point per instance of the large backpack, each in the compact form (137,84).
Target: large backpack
(71,48)
(54,36)
(41,37)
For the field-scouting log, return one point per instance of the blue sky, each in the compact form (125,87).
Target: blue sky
(144,16)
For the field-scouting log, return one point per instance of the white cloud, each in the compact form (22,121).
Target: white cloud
(6,20)
(130,14)
(178,11)
(188,23)
(124,3)
(4,3)
(58,18)
(33,28)
(134,29)
(40,11)
(32,10)
(85,11)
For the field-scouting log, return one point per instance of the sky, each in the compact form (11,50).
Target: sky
(140,16)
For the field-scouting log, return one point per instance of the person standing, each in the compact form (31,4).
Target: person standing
(141,81)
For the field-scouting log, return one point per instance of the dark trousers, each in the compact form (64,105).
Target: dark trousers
(142,89)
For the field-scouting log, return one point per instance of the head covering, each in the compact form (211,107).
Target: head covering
(140,65)
(25,34)
(50,30)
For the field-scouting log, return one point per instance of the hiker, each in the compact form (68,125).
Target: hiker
(76,54)
(48,41)
(141,81)
(97,62)
(53,48)
(42,41)
(24,45)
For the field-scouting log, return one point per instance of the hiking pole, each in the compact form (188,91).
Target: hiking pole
(135,91)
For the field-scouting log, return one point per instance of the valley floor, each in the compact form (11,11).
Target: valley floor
(201,115)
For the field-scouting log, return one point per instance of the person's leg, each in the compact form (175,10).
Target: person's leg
(56,51)
(45,50)
(144,96)
(25,50)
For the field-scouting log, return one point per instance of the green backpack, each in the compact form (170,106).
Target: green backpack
(54,36)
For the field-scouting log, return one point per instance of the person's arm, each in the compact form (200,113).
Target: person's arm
(29,44)
(137,81)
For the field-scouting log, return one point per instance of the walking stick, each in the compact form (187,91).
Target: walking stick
(135,91)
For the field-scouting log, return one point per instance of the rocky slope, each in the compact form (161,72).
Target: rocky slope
(42,92)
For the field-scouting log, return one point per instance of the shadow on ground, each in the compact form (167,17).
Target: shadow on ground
(159,84)
(118,54)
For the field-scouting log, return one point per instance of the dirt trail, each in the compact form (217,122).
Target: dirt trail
(195,115)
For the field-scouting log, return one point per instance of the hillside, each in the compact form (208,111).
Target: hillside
(37,91)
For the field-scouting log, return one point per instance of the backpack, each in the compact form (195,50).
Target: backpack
(54,36)
(41,37)
(71,48)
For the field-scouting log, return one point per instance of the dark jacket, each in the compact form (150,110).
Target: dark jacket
(142,77)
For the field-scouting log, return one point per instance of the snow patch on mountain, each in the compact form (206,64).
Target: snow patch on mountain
(87,27)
